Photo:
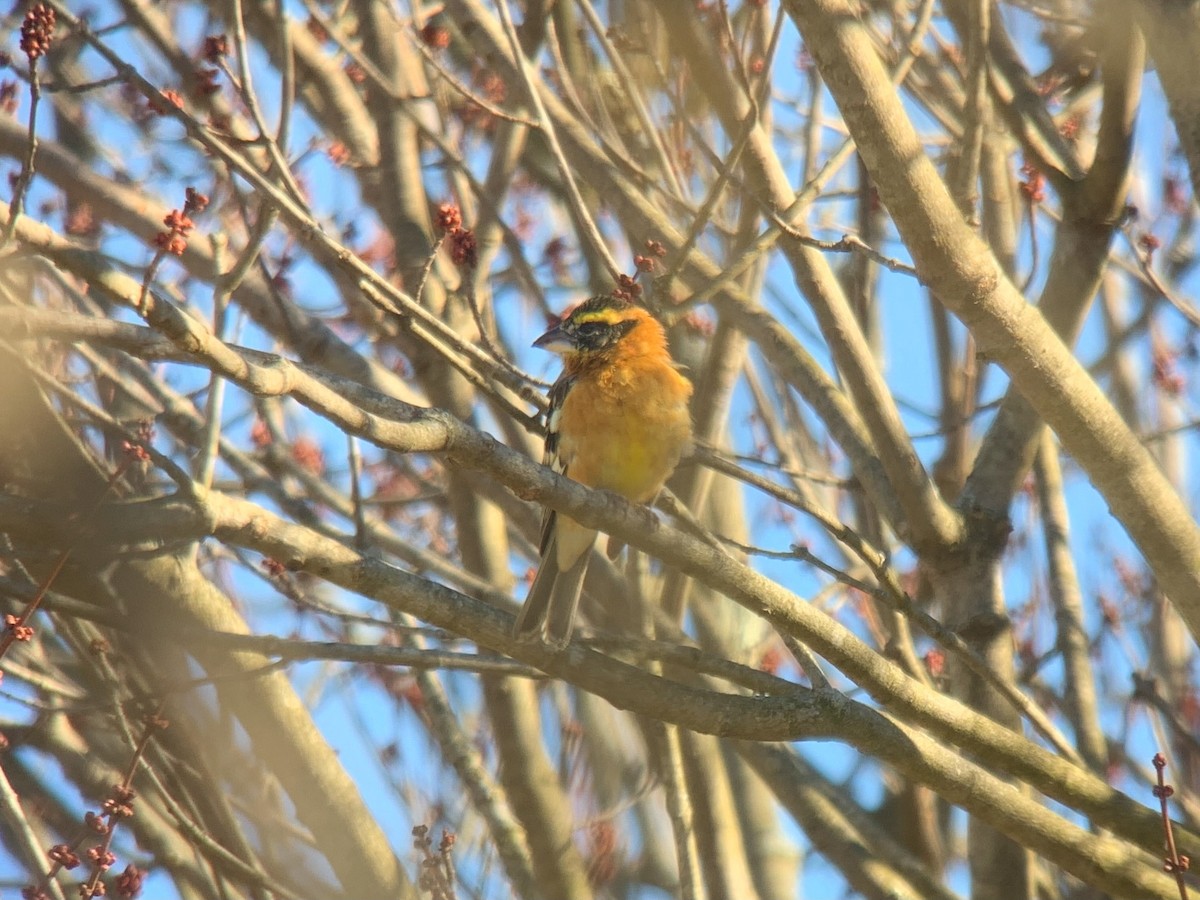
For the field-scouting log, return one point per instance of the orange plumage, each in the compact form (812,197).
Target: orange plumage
(618,421)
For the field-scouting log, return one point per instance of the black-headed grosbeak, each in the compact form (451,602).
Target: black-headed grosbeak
(618,421)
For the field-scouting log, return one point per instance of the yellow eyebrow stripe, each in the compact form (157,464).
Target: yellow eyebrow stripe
(607,316)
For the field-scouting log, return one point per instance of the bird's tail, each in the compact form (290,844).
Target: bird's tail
(549,611)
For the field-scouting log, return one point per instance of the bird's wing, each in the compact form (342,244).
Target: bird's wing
(551,457)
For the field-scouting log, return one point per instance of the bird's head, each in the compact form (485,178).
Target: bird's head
(598,326)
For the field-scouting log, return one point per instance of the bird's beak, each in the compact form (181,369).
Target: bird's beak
(556,340)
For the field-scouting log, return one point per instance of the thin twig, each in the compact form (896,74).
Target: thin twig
(461,89)
(1173,862)
(1145,261)
(206,461)
(354,456)
(679,809)
(27,167)
(246,90)
(428,267)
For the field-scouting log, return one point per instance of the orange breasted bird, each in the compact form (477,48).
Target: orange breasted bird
(618,421)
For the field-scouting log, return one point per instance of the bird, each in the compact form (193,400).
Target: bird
(618,420)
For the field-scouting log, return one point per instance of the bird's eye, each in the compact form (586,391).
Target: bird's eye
(591,329)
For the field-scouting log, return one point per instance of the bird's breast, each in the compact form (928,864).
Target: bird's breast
(626,430)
